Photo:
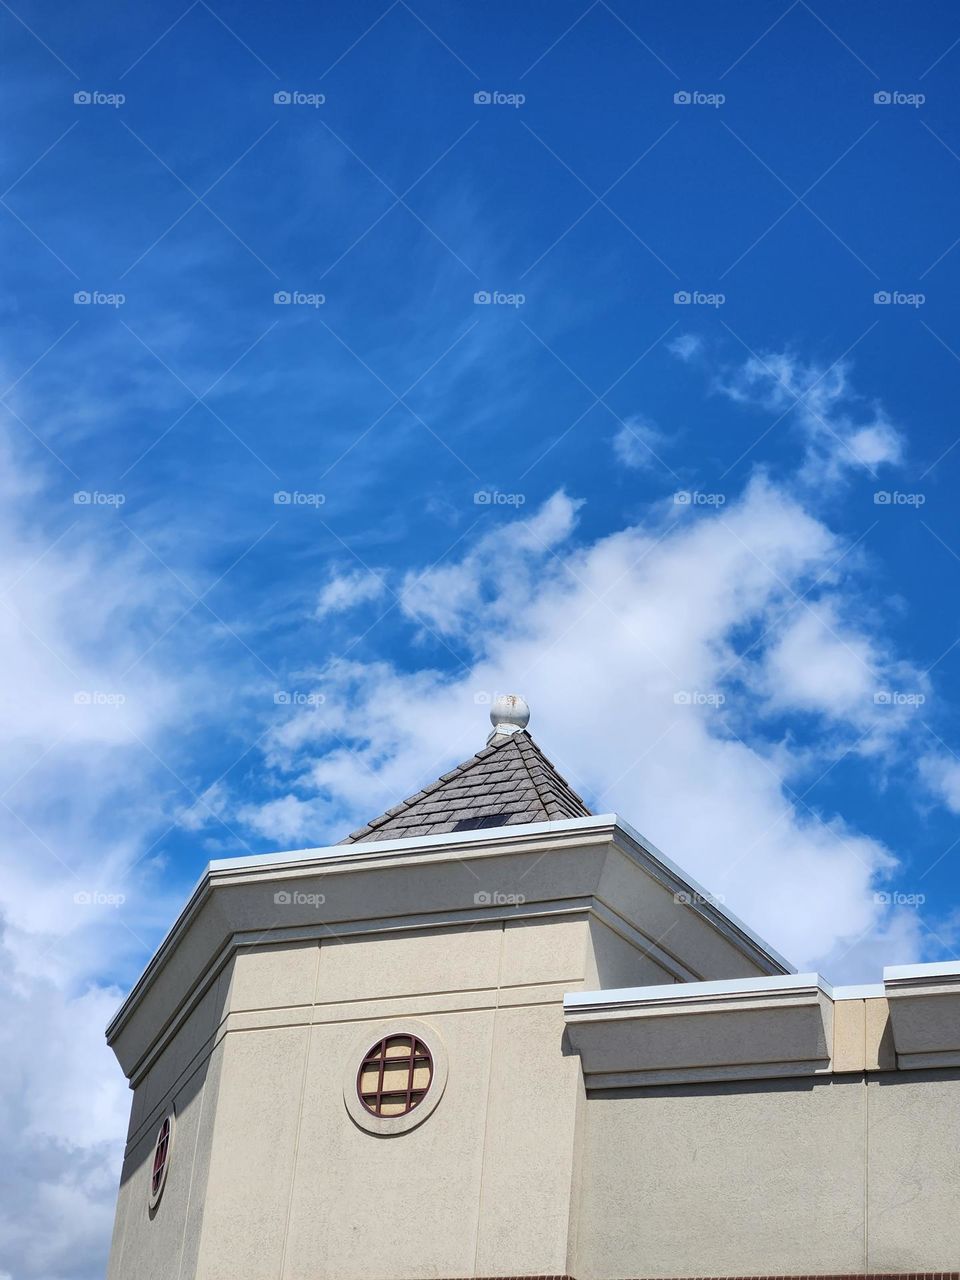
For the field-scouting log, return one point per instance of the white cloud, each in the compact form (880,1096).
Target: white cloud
(497,577)
(813,666)
(821,661)
(830,413)
(638,443)
(686,347)
(941,775)
(63,1115)
(287,819)
(346,591)
(211,804)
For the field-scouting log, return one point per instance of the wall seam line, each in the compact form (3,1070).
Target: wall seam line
(206,1064)
(486,1105)
(193,1174)
(866,1158)
(308,1026)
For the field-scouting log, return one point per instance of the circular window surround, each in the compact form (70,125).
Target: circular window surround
(156,1192)
(386,1126)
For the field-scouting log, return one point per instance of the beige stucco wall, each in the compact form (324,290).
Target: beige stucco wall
(518,1170)
(612,961)
(837,1174)
(164,1244)
(303,1192)
(269,1176)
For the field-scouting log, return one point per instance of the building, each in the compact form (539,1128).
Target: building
(492,1034)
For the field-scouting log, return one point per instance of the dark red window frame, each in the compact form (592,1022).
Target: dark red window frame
(409,1095)
(160,1156)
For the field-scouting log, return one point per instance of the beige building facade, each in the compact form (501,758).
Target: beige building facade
(493,1035)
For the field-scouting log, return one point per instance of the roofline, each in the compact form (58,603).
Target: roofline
(694,992)
(908,974)
(662,867)
(627,998)
(708,905)
(364,850)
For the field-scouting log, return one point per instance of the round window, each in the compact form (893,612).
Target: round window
(161,1159)
(395,1075)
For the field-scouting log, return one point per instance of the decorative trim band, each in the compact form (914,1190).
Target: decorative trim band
(846,1275)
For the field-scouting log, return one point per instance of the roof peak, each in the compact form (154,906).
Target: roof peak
(509,781)
(508,714)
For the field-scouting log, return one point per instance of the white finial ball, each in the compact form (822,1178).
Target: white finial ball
(509,713)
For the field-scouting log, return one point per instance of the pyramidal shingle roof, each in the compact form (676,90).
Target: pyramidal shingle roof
(510,781)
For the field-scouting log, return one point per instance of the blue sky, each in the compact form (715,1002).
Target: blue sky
(489,495)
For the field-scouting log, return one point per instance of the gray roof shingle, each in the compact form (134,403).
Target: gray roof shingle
(511,776)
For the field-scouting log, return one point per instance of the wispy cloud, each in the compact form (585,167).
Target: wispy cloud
(348,590)
(638,443)
(686,346)
(841,430)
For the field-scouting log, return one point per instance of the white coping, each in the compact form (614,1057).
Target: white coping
(691,992)
(375,850)
(699,890)
(367,849)
(370,848)
(906,972)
